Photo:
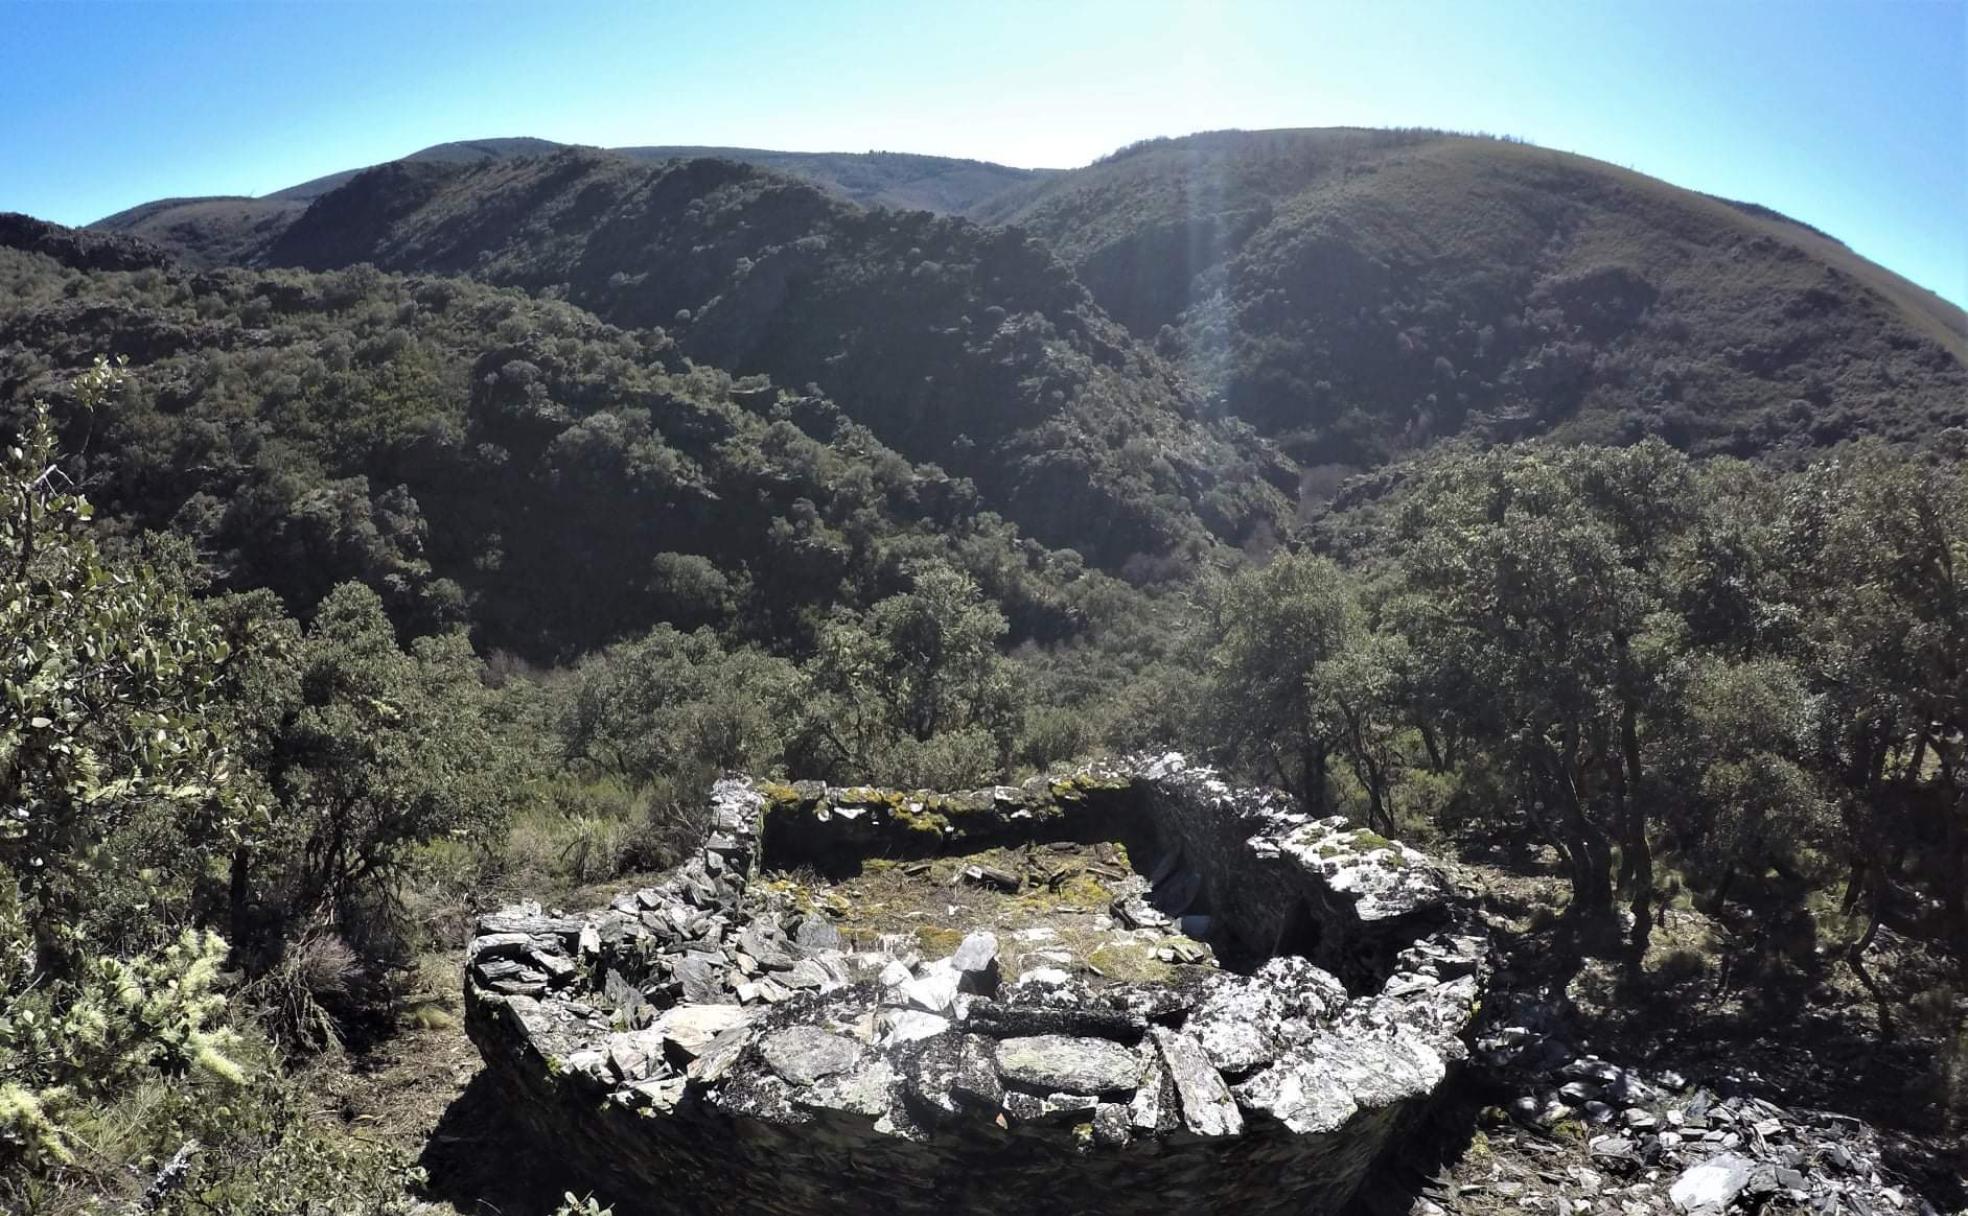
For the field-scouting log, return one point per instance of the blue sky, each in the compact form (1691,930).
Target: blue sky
(1852,116)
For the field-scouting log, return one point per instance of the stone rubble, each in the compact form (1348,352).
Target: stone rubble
(702,1041)
(1659,1144)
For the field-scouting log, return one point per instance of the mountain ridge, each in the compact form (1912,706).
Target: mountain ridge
(221,229)
(1348,295)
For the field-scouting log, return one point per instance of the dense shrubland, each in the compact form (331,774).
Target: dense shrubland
(234,831)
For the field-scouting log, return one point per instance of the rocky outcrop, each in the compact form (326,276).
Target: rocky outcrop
(708,1045)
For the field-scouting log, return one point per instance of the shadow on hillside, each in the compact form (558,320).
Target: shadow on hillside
(483,1162)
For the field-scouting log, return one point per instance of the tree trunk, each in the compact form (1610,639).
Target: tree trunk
(1636,851)
(1855,957)
(1435,761)
(239,899)
(1312,776)
(1588,849)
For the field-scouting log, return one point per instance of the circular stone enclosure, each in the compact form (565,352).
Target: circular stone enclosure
(1127,988)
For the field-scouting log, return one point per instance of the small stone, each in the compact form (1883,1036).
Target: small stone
(1229,1024)
(976,961)
(1047,977)
(492,970)
(817,933)
(717,1059)
(761,940)
(1578,1093)
(626,997)
(1640,1120)
(663,1093)
(1182,950)
(1110,1125)
(1712,1185)
(703,983)
(499,945)
(935,990)
(626,1057)
(910,1025)
(807,973)
(806,1054)
(691,1028)
(1060,1063)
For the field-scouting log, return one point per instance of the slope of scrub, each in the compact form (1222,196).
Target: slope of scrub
(1355,293)
(967,346)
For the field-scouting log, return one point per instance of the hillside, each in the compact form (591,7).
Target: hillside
(215,231)
(1358,293)
(1351,294)
(969,347)
(231,230)
(482,459)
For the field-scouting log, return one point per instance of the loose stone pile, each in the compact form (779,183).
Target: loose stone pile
(714,1044)
(1658,1144)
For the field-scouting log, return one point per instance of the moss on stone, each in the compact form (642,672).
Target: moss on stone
(1568,1129)
(921,818)
(936,941)
(1130,961)
(1365,838)
(778,794)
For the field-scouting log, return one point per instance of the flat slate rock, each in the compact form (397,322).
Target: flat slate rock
(693,1027)
(1712,1185)
(1207,1107)
(1053,1063)
(817,933)
(804,1055)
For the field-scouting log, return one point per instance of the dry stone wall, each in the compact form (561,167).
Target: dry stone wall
(703,1046)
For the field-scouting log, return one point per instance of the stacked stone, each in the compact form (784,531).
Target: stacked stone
(788,1074)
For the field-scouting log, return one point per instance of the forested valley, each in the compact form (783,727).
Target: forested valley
(442,552)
